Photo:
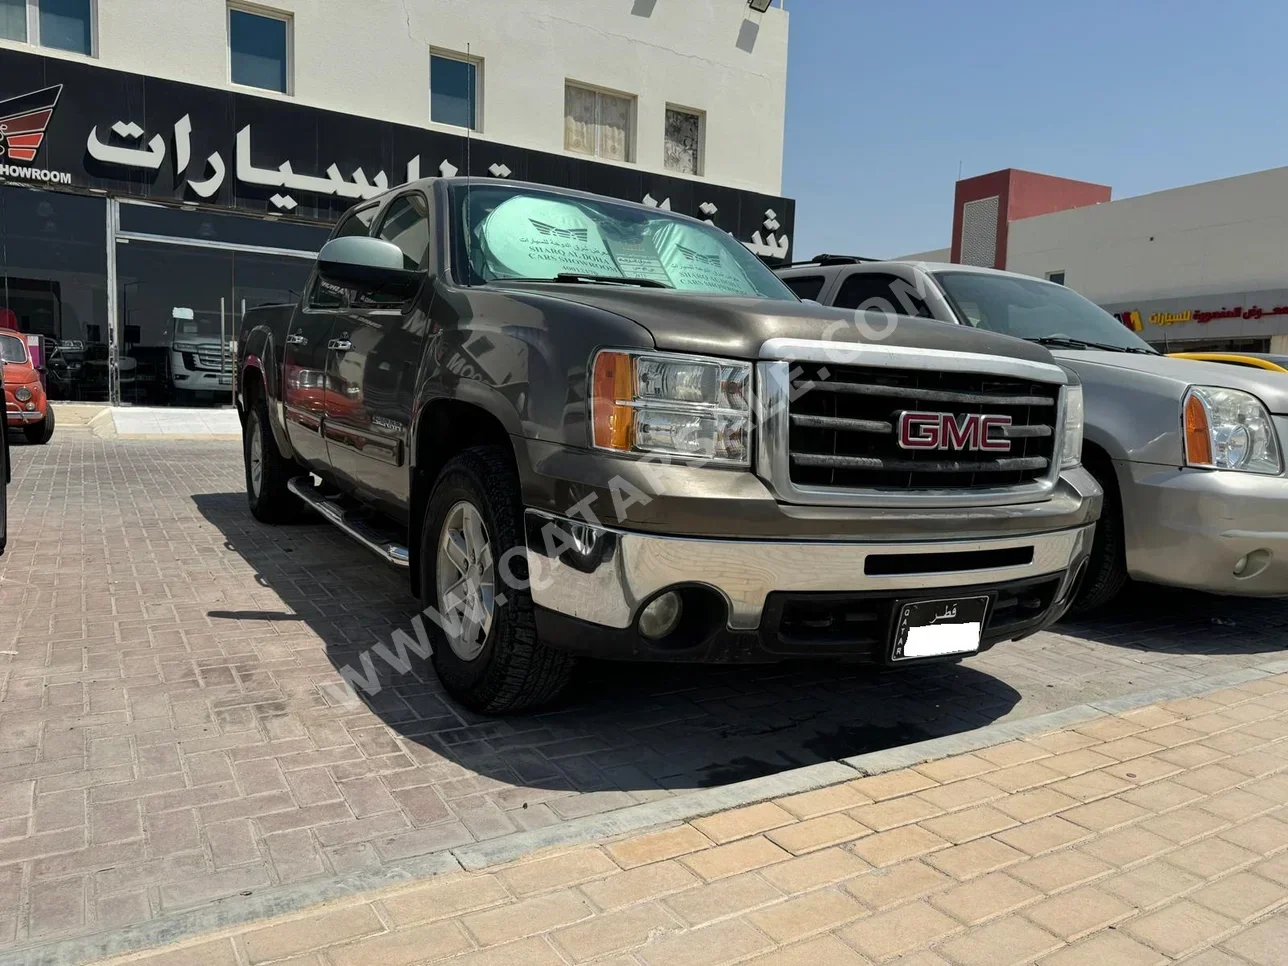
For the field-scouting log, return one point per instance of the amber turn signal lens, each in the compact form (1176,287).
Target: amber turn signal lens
(613,388)
(1198,438)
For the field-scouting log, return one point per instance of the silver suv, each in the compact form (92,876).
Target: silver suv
(1190,454)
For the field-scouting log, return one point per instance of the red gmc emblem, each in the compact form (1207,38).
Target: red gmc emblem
(946,431)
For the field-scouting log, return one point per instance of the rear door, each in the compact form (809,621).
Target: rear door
(305,382)
(375,359)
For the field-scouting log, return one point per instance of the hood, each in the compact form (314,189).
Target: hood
(19,374)
(737,327)
(1270,387)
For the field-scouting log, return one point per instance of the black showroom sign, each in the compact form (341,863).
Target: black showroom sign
(67,123)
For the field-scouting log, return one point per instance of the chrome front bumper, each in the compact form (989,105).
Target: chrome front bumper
(18,417)
(603,576)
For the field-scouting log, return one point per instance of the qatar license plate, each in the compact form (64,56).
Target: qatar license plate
(935,628)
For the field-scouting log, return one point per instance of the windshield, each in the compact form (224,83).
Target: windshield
(1030,309)
(12,349)
(522,233)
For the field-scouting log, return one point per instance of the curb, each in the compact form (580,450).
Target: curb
(231,913)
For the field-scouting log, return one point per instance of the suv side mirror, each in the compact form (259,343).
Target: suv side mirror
(368,265)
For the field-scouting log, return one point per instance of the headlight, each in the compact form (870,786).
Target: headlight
(688,406)
(22,394)
(1226,429)
(185,347)
(1074,420)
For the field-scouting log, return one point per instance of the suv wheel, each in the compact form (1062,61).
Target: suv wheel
(1107,566)
(486,650)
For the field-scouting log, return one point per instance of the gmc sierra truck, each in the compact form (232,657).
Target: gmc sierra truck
(588,427)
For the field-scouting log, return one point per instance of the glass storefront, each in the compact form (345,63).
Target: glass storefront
(53,255)
(183,279)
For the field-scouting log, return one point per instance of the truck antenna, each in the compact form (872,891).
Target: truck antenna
(469,176)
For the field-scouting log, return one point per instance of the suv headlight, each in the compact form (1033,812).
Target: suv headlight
(694,407)
(1074,422)
(185,347)
(1226,429)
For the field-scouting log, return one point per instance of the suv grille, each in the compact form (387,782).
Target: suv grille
(843,430)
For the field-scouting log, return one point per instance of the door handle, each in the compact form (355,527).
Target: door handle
(296,339)
(339,345)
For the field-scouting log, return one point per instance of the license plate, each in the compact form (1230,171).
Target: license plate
(934,628)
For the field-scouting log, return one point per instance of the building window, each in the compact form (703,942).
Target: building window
(597,123)
(1057,277)
(683,149)
(60,24)
(454,89)
(259,48)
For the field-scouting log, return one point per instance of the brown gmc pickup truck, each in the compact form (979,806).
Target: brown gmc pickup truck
(587,427)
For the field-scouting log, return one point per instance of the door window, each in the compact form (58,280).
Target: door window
(880,292)
(806,286)
(406,224)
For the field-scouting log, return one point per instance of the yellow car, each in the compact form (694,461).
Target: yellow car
(1253,360)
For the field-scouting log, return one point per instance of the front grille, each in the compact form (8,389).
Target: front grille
(843,428)
(214,357)
(860,625)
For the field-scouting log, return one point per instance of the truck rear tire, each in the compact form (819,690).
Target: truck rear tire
(488,655)
(267,471)
(1107,566)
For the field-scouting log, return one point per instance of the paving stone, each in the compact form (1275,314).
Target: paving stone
(971,823)
(1108,948)
(311,932)
(444,899)
(815,869)
(544,875)
(1005,942)
(726,897)
(419,944)
(975,858)
(1043,835)
(887,887)
(814,952)
(614,932)
(754,819)
(817,833)
(743,855)
(891,784)
(880,816)
(900,930)
(826,909)
(1127,846)
(1059,870)
(656,846)
(723,942)
(1264,943)
(1179,928)
(527,917)
(1211,857)
(1242,896)
(1150,884)
(897,845)
(637,885)
(984,898)
(1078,912)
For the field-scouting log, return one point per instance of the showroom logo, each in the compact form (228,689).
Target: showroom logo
(23,122)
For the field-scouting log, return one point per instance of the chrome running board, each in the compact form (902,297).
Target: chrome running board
(352,524)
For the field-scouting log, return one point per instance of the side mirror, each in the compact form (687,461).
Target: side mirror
(368,265)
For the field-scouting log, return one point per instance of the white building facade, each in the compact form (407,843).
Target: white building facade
(164,163)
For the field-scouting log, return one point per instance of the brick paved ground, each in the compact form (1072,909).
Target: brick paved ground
(1144,838)
(164,741)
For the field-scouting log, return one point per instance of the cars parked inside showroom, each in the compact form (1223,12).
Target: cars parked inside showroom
(669,456)
(1189,452)
(25,403)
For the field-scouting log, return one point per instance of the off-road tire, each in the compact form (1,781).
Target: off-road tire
(274,503)
(43,431)
(514,671)
(1107,566)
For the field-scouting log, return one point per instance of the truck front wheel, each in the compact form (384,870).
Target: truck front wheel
(1107,567)
(486,650)
(267,470)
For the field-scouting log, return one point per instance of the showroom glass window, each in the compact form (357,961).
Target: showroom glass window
(259,48)
(61,24)
(54,285)
(454,90)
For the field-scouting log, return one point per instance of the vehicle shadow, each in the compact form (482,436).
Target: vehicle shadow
(1172,621)
(630,728)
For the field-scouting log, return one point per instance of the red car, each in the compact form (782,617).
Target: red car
(25,403)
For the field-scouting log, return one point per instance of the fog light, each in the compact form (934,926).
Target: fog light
(661,616)
(31,407)
(1241,566)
